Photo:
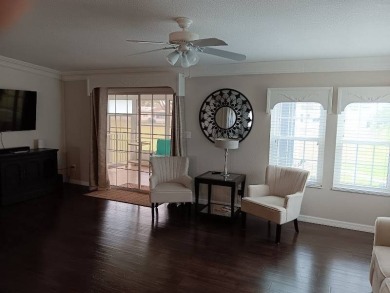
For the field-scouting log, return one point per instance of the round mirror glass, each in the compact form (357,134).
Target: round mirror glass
(225,117)
(226,113)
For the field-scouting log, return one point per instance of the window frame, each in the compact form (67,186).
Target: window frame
(347,96)
(321,95)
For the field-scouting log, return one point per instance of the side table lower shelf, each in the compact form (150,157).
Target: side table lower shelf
(236,182)
(219,210)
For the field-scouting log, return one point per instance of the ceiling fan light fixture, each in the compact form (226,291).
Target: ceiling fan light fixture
(184,60)
(173,57)
(192,57)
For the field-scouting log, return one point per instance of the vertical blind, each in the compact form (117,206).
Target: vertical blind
(363,148)
(297,137)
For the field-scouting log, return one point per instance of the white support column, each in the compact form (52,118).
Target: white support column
(181,85)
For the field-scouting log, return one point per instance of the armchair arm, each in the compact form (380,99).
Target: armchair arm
(382,231)
(153,181)
(292,203)
(256,190)
(184,180)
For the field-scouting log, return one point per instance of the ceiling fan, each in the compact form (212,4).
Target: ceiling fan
(187,45)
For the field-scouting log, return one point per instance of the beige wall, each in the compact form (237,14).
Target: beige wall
(78,113)
(72,132)
(77,130)
(252,156)
(49,106)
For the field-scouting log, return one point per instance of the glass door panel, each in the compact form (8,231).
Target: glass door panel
(135,123)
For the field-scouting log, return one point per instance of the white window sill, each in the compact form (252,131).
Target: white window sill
(314,185)
(350,190)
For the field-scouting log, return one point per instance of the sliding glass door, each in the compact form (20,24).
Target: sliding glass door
(139,125)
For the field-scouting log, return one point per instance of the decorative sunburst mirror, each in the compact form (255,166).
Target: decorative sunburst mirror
(226,113)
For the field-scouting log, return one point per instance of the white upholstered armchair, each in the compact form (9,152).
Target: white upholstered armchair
(169,182)
(279,199)
(380,261)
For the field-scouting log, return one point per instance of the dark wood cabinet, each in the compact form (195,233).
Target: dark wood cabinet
(27,174)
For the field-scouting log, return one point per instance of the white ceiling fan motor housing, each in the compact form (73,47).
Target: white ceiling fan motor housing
(183,36)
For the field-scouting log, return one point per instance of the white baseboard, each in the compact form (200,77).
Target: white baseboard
(326,222)
(78,182)
(335,223)
(303,218)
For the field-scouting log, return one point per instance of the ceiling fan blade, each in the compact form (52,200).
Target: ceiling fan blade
(147,42)
(223,54)
(145,52)
(208,42)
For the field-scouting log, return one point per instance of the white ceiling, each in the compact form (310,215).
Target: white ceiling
(76,35)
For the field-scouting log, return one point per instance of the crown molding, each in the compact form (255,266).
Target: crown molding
(298,66)
(249,68)
(28,67)
(84,75)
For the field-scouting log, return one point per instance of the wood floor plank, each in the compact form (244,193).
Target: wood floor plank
(69,242)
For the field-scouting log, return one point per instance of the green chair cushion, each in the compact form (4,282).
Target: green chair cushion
(163,147)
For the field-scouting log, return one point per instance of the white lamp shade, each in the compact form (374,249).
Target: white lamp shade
(173,57)
(187,58)
(192,57)
(184,61)
(225,143)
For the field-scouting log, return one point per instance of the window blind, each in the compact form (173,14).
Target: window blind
(363,148)
(297,137)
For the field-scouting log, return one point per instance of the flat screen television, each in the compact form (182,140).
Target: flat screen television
(17,110)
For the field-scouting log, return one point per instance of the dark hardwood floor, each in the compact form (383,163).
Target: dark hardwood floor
(74,243)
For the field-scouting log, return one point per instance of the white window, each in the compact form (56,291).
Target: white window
(363,141)
(298,124)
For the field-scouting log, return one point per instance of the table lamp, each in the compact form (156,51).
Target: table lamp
(227,144)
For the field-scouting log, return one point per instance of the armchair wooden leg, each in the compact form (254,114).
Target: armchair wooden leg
(269,228)
(278,232)
(154,207)
(296,225)
(243,220)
